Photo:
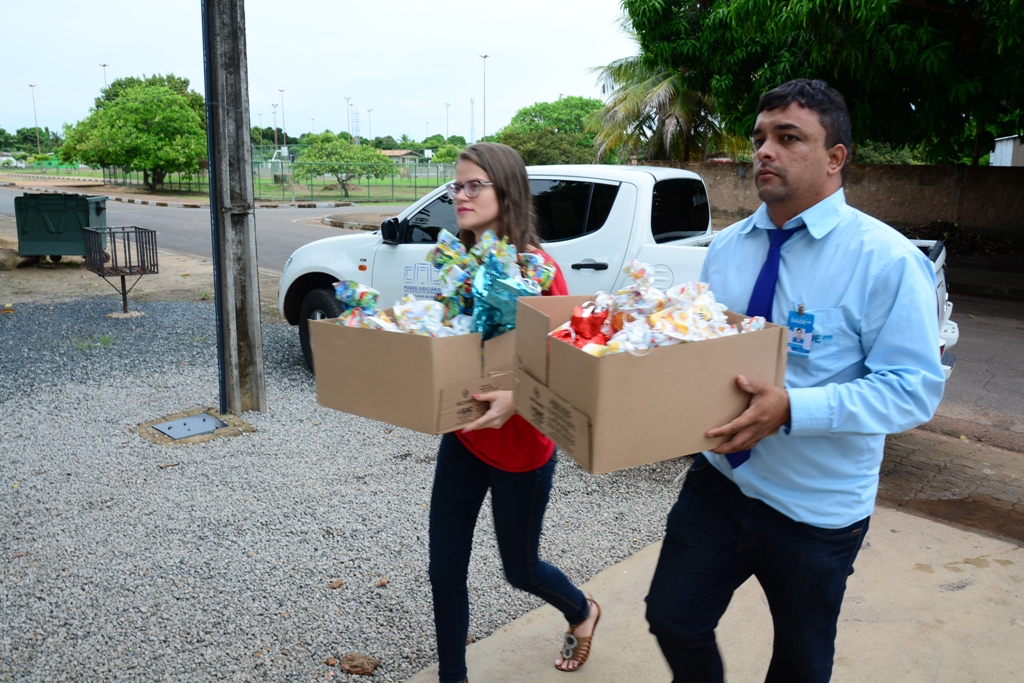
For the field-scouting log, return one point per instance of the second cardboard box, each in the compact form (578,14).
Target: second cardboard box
(624,410)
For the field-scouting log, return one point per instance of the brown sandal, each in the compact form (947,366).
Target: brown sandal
(578,649)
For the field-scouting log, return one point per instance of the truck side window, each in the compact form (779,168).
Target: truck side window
(679,210)
(601,202)
(431,219)
(567,209)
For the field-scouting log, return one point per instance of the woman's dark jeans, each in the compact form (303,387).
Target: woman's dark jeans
(518,500)
(715,539)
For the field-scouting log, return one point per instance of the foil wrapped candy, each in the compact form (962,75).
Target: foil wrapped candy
(496,287)
(485,281)
(640,317)
(358,301)
(584,328)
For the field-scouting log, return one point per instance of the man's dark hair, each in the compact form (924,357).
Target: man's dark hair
(818,97)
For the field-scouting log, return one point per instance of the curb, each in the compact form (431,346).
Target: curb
(994,291)
(188,205)
(986,283)
(351,225)
(35,176)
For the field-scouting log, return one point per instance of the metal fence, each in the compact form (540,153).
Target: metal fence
(186,183)
(298,181)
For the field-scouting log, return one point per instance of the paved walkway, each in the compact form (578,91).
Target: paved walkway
(929,601)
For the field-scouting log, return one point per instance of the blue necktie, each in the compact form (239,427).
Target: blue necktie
(762,298)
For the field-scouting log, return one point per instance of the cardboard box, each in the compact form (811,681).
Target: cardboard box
(626,410)
(419,383)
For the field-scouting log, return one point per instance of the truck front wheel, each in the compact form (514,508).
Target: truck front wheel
(318,304)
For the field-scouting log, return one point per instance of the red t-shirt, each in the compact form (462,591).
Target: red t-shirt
(517,446)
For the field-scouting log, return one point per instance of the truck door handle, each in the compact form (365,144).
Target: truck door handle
(592,266)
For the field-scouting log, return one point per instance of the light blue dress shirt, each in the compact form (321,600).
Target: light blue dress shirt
(874,365)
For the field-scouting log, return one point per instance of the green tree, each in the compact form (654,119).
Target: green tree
(333,154)
(564,115)
(456,140)
(25,140)
(651,114)
(386,142)
(447,154)
(110,93)
(6,141)
(548,146)
(148,128)
(942,73)
(559,125)
(434,141)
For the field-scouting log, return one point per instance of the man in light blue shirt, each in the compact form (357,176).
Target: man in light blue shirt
(788,496)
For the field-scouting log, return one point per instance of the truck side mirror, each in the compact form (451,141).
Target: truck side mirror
(391,231)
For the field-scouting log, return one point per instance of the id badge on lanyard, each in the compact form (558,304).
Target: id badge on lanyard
(801,330)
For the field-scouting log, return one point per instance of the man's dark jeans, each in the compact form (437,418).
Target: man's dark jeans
(518,500)
(715,538)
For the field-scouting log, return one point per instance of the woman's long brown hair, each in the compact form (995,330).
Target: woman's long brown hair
(507,171)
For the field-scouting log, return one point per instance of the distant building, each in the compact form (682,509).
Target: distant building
(403,156)
(7,160)
(1009,152)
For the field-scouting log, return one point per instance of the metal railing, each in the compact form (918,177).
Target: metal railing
(304,181)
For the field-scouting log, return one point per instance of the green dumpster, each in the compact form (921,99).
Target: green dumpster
(51,224)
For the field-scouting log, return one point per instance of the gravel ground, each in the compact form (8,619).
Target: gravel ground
(112,568)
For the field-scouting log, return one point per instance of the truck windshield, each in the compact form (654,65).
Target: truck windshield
(679,209)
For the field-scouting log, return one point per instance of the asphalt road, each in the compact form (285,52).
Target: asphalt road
(982,397)
(279,232)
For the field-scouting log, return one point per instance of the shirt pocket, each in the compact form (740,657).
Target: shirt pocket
(834,345)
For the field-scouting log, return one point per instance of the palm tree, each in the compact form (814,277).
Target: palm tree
(650,112)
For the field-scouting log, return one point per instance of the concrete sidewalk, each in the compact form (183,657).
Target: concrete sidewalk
(927,602)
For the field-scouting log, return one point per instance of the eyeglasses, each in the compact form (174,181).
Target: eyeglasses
(472,188)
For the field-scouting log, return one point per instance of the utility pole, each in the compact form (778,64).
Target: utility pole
(351,119)
(311,126)
(472,120)
(348,116)
(446,105)
(39,149)
(261,134)
(104,74)
(369,124)
(484,57)
(232,215)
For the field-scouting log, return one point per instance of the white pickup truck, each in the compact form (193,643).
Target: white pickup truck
(592,220)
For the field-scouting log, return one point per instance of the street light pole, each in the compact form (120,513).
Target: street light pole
(446,105)
(39,149)
(284,129)
(261,133)
(484,57)
(104,74)
(348,116)
(275,126)
(369,124)
(311,126)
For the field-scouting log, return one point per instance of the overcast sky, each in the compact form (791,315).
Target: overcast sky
(401,58)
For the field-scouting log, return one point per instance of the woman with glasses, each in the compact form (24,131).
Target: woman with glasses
(499,451)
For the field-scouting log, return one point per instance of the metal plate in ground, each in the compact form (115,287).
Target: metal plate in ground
(190,426)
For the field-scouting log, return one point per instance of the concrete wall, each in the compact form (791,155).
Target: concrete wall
(986,198)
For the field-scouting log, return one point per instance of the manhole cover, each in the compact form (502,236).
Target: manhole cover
(190,426)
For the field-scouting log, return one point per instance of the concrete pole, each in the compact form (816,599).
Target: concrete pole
(239,335)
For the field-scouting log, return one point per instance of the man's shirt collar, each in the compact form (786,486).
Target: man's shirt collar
(820,219)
